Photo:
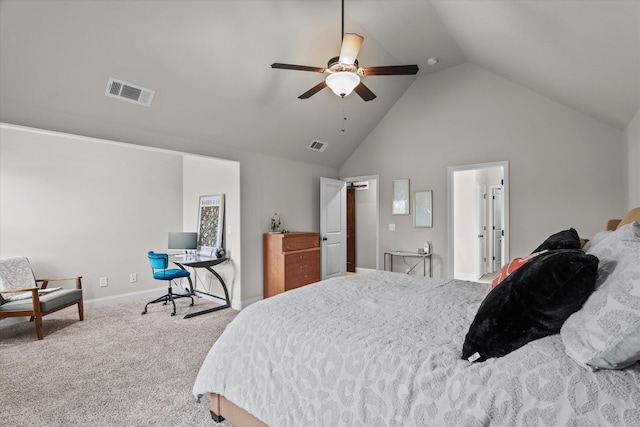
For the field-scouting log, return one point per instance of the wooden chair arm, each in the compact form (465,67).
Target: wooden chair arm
(45,282)
(20,290)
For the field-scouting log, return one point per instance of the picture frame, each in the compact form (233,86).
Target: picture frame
(210,224)
(423,209)
(401,194)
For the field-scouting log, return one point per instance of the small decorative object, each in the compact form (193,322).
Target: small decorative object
(400,197)
(275,223)
(423,208)
(219,253)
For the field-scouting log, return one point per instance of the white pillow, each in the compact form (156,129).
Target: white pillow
(16,273)
(605,332)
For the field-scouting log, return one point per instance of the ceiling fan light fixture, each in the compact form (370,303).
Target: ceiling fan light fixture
(351,44)
(342,83)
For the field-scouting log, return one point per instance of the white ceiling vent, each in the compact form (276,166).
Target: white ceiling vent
(128,92)
(317,145)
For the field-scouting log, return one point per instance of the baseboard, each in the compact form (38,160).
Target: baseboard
(365,270)
(465,276)
(239,305)
(121,298)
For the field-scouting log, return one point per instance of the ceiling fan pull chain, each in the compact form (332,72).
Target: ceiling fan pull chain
(344,120)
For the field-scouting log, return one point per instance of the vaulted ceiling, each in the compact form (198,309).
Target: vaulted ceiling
(209,64)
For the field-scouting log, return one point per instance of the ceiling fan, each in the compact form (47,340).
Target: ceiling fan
(344,72)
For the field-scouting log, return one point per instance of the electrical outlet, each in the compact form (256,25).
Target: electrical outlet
(392,227)
(133,278)
(104,282)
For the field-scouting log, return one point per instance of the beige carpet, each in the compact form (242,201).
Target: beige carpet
(116,368)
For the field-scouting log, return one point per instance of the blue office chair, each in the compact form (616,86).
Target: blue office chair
(159,264)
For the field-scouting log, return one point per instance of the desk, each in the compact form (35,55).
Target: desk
(422,259)
(207,263)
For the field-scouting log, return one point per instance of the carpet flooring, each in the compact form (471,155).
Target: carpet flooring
(116,368)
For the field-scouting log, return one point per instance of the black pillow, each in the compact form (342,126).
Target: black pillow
(567,239)
(531,303)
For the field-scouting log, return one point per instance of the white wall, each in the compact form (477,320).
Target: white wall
(80,206)
(564,166)
(464,201)
(204,176)
(632,136)
(108,197)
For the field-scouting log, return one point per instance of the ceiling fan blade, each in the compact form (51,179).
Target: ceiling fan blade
(390,70)
(364,92)
(351,43)
(317,88)
(297,67)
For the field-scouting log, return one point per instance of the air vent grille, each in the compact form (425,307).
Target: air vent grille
(129,92)
(318,145)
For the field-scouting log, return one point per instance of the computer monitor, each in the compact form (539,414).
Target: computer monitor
(182,241)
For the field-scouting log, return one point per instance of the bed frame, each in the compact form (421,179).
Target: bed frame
(222,409)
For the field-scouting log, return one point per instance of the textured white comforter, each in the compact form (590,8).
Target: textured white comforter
(383,349)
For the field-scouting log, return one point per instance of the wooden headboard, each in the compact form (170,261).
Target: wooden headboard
(633,215)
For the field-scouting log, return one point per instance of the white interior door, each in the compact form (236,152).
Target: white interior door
(333,228)
(481,227)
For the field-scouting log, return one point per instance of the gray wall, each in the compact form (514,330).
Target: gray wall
(566,169)
(76,206)
(71,205)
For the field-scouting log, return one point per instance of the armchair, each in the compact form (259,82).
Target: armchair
(21,296)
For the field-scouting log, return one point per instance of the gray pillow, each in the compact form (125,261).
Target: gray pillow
(605,332)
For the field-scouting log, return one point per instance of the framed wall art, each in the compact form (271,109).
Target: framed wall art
(423,208)
(210,224)
(400,197)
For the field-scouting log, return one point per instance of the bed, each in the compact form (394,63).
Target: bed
(385,349)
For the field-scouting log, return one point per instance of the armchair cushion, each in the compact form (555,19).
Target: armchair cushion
(48,302)
(16,273)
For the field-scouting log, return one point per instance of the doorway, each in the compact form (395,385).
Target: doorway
(362,232)
(478,230)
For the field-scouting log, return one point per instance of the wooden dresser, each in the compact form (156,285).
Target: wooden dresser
(291,260)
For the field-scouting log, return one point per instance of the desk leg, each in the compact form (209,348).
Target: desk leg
(220,307)
(191,288)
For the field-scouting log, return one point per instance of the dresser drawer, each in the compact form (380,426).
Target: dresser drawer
(300,278)
(298,241)
(301,258)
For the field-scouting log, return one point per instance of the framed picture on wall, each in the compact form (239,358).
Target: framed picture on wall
(210,224)
(400,197)
(423,208)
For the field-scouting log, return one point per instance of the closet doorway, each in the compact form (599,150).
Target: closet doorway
(478,219)
(362,223)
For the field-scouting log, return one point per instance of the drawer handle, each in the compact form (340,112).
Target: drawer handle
(303,266)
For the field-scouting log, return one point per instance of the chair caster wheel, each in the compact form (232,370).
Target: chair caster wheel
(144,312)
(191,304)
(173,314)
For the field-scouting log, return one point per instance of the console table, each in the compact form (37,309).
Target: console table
(207,263)
(422,258)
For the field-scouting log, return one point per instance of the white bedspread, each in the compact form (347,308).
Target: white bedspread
(383,349)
